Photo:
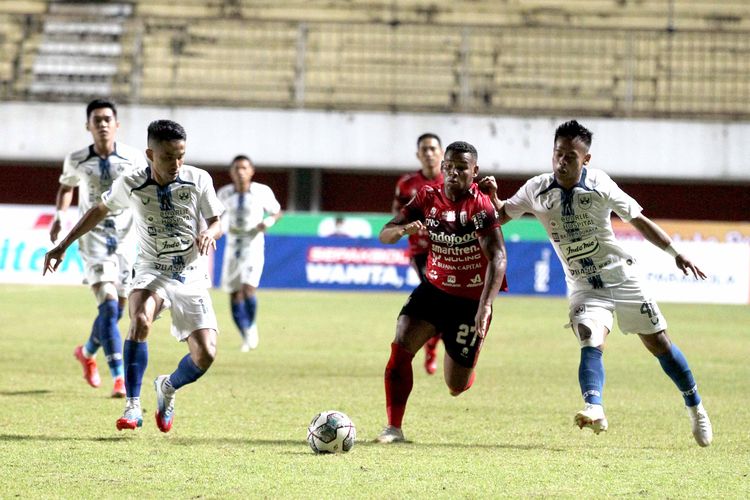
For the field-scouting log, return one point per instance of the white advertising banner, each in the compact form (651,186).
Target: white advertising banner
(727,266)
(24,239)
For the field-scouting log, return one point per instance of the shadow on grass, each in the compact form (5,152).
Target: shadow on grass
(43,438)
(35,392)
(193,441)
(484,446)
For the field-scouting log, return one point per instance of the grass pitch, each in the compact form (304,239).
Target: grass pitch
(240,431)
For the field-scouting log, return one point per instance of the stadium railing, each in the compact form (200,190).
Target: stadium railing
(686,59)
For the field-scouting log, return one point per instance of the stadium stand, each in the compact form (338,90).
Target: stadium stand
(626,58)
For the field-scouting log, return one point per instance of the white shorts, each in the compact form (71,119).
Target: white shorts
(636,312)
(243,269)
(115,268)
(190,303)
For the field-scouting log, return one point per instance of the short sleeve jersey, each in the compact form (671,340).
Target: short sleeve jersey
(456,263)
(167,218)
(406,188)
(246,210)
(94,175)
(578,223)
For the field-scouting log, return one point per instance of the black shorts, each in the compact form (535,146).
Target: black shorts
(453,318)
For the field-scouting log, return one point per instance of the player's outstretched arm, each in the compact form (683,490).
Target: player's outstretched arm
(493,247)
(657,236)
(206,239)
(90,219)
(488,185)
(268,221)
(62,202)
(398,227)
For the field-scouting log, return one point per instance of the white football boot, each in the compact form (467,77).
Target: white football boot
(390,435)
(592,416)
(702,431)
(251,338)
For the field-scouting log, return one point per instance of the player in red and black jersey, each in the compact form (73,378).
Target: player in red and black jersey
(465,271)
(430,155)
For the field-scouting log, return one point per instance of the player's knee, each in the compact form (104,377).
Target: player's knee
(205,357)
(657,343)
(140,326)
(105,291)
(463,386)
(203,351)
(589,333)
(457,392)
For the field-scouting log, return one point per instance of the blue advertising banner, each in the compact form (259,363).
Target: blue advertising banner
(341,263)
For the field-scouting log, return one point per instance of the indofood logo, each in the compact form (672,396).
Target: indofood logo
(452,239)
(580,249)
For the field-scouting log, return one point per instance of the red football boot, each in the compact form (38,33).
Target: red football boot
(90,371)
(430,355)
(118,391)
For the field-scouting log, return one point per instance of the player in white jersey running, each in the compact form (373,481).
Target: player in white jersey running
(251,209)
(106,251)
(170,202)
(574,204)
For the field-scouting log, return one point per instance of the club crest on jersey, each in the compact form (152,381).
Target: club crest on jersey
(584,200)
(449,216)
(433,211)
(579,310)
(184,194)
(463,217)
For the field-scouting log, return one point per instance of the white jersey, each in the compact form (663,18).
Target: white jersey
(245,211)
(579,226)
(93,176)
(168,220)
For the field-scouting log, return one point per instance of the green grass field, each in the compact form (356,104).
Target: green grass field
(240,431)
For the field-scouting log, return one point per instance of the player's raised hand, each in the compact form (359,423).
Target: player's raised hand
(205,242)
(488,185)
(413,227)
(685,264)
(53,259)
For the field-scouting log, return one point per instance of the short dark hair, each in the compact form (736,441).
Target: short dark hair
(165,130)
(240,158)
(98,104)
(428,135)
(462,147)
(574,130)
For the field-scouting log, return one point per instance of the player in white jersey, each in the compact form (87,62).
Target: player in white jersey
(251,209)
(107,251)
(574,204)
(169,201)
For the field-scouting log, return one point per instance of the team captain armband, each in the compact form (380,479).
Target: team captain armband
(672,251)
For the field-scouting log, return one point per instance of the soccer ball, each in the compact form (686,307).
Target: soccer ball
(331,432)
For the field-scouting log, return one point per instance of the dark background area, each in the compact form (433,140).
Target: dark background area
(342,191)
